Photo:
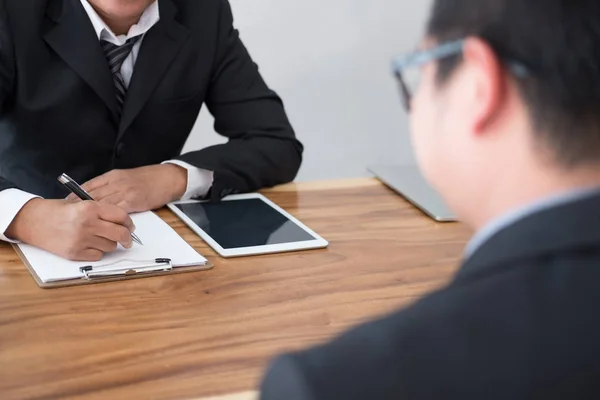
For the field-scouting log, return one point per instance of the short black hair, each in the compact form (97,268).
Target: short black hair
(559,40)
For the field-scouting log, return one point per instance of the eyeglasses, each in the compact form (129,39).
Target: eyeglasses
(407,68)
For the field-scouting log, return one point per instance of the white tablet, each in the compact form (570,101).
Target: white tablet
(246,224)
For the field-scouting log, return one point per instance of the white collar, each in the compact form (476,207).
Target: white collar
(148,19)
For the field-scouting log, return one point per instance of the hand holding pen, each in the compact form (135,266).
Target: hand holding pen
(83,231)
(77,190)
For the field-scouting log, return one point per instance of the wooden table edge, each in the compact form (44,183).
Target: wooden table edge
(335,184)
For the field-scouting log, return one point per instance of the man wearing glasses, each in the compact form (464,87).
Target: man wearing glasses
(506,125)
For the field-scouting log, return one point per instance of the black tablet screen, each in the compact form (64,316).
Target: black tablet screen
(244,223)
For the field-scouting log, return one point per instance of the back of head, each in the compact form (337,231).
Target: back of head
(557,44)
(559,41)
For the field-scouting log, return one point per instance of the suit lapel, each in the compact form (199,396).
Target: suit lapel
(159,48)
(75,41)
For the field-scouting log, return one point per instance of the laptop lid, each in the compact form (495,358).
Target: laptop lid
(410,183)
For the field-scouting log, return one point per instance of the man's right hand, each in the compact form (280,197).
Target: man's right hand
(77,231)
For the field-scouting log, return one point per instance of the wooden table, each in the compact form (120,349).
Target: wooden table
(213,333)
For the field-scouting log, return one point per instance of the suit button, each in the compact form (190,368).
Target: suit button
(120,150)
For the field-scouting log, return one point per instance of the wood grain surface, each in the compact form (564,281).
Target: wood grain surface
(212,333)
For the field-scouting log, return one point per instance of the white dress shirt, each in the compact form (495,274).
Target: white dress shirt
(199,180)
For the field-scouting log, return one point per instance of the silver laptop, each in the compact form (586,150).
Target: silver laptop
(410,183)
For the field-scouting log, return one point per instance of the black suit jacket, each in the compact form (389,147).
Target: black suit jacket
(520,321)
(58,102)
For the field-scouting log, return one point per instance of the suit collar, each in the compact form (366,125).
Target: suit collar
(517,214)
(570,226)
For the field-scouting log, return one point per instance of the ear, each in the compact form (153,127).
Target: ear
(489,84)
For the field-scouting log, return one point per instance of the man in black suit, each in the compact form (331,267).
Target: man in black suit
(108,91)
(506,125)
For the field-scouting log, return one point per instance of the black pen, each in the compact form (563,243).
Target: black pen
(83,195)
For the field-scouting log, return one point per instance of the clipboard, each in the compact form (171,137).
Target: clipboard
(118,275)
(50,271)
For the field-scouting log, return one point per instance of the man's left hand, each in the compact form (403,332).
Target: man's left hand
(139,189)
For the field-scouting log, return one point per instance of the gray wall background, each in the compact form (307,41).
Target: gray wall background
(330,62)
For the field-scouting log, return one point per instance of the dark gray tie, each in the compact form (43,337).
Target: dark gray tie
(116,55)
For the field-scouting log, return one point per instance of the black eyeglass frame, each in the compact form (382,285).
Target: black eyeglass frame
(444,50)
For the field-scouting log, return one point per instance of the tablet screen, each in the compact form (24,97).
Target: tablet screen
(244,223)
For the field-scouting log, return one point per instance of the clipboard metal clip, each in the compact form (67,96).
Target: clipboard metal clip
(113,270)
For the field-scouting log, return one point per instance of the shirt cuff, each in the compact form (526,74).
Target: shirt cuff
(11,202)
(199,180)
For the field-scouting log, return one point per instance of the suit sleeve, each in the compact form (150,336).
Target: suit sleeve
(7,73)
(262,150)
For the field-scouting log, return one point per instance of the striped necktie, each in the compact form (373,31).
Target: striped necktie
(116,55)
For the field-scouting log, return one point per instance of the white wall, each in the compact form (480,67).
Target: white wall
(330,62)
